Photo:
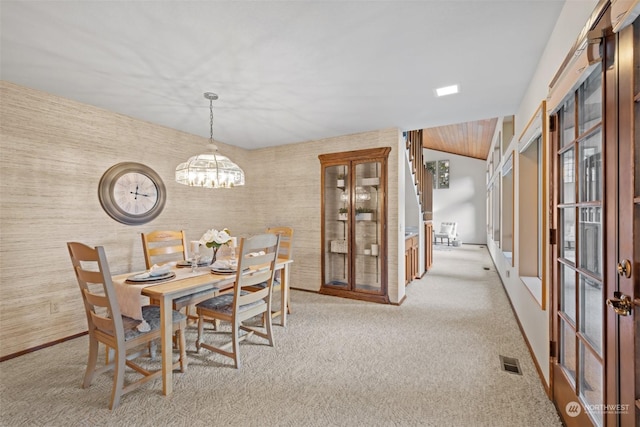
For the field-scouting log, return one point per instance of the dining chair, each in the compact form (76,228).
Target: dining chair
(163,246)
(256,264)
(285,252)
(108,326)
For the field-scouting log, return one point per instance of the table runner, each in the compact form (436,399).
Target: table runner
(131,300)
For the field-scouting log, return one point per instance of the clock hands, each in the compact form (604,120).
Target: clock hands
(138,194)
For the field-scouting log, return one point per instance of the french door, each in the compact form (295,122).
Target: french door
(624,304)
(596,212)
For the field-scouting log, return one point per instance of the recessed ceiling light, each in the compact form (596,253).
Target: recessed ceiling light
(447,90)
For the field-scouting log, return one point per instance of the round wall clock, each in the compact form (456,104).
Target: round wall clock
(131,193)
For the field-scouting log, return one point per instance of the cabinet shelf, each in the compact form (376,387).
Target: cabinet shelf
(370,182)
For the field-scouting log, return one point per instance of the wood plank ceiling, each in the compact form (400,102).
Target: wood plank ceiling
(470,139)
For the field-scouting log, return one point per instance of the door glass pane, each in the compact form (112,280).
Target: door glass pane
(496,211)
(443,173)
(568,292)
(567,356)
(431,167)
(591,168)
(591,305)
(637,144)
(590,388)
(367,227)
(590,101)
(567,120)
(567,233)
(568,185)
(336,200)
(590,238)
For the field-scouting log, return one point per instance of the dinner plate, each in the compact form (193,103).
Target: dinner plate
(223,270)
(165,276)
(187,264)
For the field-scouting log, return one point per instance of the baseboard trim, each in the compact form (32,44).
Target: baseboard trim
(40,347)
(524,336)
(317,292)
(399,302)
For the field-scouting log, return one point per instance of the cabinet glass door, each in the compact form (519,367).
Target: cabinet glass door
(368,234)
(336,226)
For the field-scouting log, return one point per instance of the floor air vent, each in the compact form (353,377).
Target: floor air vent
(486,268)
(510,364)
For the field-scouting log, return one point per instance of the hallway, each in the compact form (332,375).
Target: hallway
(467,305)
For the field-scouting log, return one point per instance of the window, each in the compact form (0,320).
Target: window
(440,171)
(507,209)
(531,204)
(443,173)
(432,167)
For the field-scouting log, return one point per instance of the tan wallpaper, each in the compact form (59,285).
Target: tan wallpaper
(53,153)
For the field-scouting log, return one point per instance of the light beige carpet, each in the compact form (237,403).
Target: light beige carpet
(434,361)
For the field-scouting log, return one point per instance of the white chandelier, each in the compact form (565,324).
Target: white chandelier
(210,170)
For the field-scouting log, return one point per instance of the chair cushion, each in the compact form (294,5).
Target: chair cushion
(185,299)
(224,304)
(150,313)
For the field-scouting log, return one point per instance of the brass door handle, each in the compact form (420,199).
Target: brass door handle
(620,303)
(624,268)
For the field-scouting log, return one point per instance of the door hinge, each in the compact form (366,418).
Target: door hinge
(553,236)
(552,349)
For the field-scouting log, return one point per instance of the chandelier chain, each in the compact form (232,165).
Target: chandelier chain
(211,118)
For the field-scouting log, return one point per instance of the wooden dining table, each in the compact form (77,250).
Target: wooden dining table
(166,292)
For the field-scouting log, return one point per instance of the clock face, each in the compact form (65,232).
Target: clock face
(131,193)
(135,193)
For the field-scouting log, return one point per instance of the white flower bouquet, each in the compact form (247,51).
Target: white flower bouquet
(214,238)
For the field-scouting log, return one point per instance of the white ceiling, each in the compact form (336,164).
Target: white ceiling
(285,71)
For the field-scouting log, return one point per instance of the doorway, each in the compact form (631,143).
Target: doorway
(595,216)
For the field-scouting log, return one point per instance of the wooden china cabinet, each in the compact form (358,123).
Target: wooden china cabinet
(354,224)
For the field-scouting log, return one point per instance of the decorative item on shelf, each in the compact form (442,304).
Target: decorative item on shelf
(343,214)
(341,181)
(214,239)
(210,170)
(374,250)
(364,214)
(339,246)
(362,194)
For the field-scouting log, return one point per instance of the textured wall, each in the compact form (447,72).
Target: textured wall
(53,153)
